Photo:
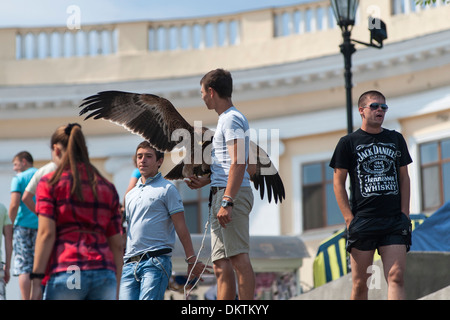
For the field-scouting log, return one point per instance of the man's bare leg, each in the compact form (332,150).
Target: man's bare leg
(394,264)
(25,286)
(360,261)
(245,276)
(226,282)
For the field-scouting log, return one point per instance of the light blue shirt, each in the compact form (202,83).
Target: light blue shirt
(25,217)
(148,209)
(232,125)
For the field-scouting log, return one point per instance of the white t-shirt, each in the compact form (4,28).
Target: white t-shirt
(32,185)
(232,125)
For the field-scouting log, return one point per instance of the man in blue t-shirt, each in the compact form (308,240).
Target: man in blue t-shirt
(25,222)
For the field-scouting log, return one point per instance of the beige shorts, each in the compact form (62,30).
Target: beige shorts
(235,238)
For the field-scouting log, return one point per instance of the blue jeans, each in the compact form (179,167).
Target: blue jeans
(82,285)
(146,280)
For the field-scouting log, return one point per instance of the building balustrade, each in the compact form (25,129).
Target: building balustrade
(410,6)
(193,35)
(184,34)
(308,18)
(42,43)
(168,35)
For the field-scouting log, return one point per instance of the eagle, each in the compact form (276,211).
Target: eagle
(156,120)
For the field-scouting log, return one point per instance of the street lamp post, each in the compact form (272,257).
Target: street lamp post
(347,49)
(345,12)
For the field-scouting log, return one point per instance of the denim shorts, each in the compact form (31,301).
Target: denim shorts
(370,233)
(147,279)
(23,245)
(98,284)
(2,282)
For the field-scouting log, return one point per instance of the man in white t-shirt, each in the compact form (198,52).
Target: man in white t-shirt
(232,196)
(30,190)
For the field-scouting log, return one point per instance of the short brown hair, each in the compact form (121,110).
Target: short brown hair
(366,95)
(24,155)
(146,145)
(220,80)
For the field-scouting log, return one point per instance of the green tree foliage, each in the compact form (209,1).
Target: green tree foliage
(428,2)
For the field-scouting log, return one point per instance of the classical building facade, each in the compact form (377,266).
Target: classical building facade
(288,81)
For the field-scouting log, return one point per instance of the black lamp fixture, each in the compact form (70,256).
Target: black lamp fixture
(345,12)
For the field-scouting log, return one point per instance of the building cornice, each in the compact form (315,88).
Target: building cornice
(369,64)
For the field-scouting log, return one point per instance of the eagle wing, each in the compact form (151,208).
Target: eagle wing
(264,175)
(153,118)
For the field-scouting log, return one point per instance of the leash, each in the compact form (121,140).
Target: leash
(202,246)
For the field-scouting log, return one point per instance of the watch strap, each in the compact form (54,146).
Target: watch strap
(37,275)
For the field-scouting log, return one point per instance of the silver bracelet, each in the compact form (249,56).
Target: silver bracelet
(225,196)
(187,259)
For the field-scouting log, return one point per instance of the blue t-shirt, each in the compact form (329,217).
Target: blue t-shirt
(148,210)
(232,125)
(25,217)
(136,173)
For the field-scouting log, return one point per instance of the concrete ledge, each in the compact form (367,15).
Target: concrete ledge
(443,294)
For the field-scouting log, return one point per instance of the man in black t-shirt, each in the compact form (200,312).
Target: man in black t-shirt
(377,215)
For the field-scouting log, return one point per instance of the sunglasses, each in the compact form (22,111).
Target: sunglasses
(375,105)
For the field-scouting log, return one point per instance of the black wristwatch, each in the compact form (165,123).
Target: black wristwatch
(37,275)
(226,203)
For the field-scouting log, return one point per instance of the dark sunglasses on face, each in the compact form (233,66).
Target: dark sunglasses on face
(374,106)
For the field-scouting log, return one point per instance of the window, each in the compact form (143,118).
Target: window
(320,208)
(196,209)
(435,173)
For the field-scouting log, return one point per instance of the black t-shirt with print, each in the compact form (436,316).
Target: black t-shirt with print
(373,162)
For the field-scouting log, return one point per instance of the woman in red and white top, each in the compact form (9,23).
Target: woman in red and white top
(79,235)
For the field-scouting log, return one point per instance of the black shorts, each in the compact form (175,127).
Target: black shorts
(370,233)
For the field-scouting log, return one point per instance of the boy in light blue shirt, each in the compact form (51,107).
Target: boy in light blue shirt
(154,212)
(149,207)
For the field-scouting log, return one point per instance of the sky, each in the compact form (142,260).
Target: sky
(33,13)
